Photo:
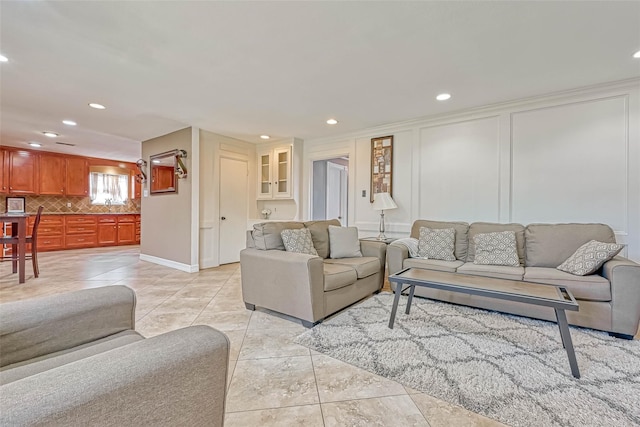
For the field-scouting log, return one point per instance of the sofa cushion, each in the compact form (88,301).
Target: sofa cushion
(438,243)
(549,245)
(320,235)
(364,266)
(298,240)
(343,242)
(588,258)
(592,288)
(498,271)
(338,276)
(492,227)
(497,248)
(266,235)
(432,264)
(461,237)
(39,364)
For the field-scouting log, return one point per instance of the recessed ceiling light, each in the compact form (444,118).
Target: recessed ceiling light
(265,136)
(332,121)
(69,122)
(50,134)
(35,144)
(637,54)
(155,161)
(97,106)
(443,97)
(3,58)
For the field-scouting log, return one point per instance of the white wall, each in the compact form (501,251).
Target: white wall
(568,157)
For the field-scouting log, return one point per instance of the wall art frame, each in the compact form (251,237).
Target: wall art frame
(381,166)
(15,205)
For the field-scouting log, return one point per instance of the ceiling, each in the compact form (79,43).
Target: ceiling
(243,69)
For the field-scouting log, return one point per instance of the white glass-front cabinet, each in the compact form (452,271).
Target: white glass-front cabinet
(274,173)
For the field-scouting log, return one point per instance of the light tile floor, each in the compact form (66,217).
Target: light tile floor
(272,381)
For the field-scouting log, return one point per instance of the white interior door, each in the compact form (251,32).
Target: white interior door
(337,192)
(233,208)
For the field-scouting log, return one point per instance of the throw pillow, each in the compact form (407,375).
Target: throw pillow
(497,248)
(343,242)
(437,243)
(298,240)
(589,257)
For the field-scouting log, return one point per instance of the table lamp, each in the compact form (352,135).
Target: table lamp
(383,202)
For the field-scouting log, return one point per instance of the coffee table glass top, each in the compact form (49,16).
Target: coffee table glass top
(515,287)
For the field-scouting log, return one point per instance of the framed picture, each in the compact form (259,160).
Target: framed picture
(15,205)
(381,166)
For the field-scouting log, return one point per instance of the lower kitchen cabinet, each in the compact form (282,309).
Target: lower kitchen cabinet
(84,231)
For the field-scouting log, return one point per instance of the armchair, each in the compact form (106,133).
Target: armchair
(74,359)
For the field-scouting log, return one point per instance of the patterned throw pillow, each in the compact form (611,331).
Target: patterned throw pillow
(298,240)
(589,257)
(437,243)
(498,248)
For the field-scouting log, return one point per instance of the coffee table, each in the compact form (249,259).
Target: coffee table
(554,296)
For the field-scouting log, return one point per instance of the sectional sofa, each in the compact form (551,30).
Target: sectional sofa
(609,299)
(308,287)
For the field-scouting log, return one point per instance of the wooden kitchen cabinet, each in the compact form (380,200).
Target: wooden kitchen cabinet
(51,174)
(81,231)
(107,230)
(126,230)
(4,171)
(77,176)
(50,232)
(23,172)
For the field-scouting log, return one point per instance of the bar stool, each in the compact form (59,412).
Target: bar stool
(32,239)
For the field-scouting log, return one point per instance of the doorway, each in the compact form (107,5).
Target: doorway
(330,189)
(233,208)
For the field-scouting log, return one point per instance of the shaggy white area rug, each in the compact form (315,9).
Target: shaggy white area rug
(509,368)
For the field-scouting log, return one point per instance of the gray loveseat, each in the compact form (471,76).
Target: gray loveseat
(304,286)
(609,300)
(74,360)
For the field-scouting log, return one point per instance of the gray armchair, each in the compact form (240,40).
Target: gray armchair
(74,359)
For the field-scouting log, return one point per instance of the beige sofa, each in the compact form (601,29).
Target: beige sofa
(609,300)
(74,360)
(307,287)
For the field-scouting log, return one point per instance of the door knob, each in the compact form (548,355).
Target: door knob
(223,218)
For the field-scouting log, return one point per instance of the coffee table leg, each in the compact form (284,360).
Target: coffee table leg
(413,288)
(566,340)
(396,299)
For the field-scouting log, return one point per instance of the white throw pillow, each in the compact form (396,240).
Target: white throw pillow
(298,240)
(437,243)
(343,242)
(498,248)
(589,257)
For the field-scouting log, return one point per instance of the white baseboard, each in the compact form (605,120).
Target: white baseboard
(168,263)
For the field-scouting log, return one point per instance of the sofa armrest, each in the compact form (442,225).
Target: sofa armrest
(178,378)
(40,326)
(287,282)
(396,255)
(624,276)
(374,249)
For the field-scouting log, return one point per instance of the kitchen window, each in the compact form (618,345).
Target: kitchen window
(108,189)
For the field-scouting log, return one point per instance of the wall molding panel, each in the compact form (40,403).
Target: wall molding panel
(572,156)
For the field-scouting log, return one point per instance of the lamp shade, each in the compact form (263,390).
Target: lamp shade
(383,202)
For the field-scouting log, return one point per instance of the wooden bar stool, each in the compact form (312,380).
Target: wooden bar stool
(32,239)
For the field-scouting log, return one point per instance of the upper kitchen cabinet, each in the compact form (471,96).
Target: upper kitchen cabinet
(77,176)
(23,172)
(4,171)
(274,173)
(51,174)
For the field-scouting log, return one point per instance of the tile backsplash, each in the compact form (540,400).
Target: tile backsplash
(58,204)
